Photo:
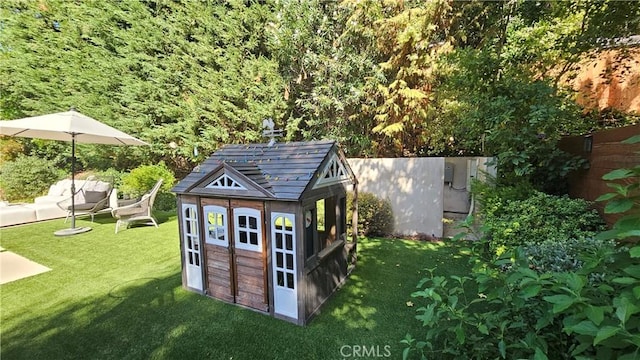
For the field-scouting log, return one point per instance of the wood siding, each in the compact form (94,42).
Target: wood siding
(323,280)
(219,273)
(250,279)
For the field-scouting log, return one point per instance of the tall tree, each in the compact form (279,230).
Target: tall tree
(183,75)
(324,68)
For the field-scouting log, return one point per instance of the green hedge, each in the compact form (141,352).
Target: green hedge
(539,219)
(142,179)
(27,177)
(375,215)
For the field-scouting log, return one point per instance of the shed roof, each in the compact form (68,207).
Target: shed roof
(282,171)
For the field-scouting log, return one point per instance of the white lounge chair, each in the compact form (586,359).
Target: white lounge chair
(139,211)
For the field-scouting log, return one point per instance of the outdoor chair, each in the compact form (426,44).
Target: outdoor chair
(139,211)
(104,205)
(94,197)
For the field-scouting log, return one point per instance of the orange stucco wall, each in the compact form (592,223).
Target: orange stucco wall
(611,80)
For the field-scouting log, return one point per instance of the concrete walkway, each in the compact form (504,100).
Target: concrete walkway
(14,267)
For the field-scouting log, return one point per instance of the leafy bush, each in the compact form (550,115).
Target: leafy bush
(492,198)
(165,201)
(588,312)
(112,176)
(375,216)
(142,179)
(10,148)
(27,177)
(557,256)
(523,314)
(624,199)
(540,218)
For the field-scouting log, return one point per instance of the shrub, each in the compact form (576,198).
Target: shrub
(142,179)
(523,314)
(556,256)
(165,201)
(588,312)
(113,176)
(10,149)
(27,177)
(492,198)
(539,219)
(375,216)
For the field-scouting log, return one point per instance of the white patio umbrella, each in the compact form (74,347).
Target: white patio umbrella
(68,126)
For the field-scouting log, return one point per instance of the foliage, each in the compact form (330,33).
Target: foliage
(497,322)
(526,308)
(165,201)
(385,78)
(27,177)
(540,218)
(111,175)
(201,71)
(624,199)
(552,255)
(142,179)
(492,197)
(375,215)
(523,314)
(517,121)
(9,149)
(324,68)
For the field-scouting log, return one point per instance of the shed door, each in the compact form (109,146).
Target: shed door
(285,294)
(219,269)
(249,260)
(192,256)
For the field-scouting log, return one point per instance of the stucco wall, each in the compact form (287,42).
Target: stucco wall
(611,79)
(413,185)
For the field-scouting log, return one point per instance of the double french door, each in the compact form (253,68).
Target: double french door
(235,261)
(233,257)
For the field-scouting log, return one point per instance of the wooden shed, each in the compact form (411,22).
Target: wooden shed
(264,226)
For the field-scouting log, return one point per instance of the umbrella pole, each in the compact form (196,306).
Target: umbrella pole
(73,182)
(73,230)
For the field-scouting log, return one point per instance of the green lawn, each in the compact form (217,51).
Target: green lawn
(120,297)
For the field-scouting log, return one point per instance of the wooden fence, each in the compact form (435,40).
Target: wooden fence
(605,152)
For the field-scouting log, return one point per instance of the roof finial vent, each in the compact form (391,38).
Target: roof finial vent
(269,131)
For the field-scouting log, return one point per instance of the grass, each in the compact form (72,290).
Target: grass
(119,296)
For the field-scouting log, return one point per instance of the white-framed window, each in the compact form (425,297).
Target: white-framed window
(284,249)
(248,229)
(190,232)
(191,240)
(225,182)
(215,218)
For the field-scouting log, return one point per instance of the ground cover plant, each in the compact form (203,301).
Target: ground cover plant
(530,305)
(119,297)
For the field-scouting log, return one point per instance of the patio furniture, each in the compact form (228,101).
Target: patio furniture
(93,197)
(139,211)
(68,126)
(14,214)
